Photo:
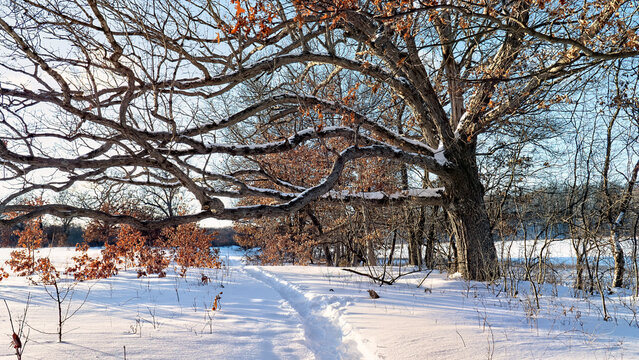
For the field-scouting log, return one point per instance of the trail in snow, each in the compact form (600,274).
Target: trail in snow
(290,312)
(157,318)
(327,334)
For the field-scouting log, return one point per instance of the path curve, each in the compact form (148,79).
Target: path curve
(327,334)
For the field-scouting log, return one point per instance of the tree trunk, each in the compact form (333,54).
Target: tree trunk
(476,253)
(429,256)
(371,256)
(618,225)
(327,254)
(415,235)
(414,253)
(452,254)
(59,302)
(620,262)
(580,250)
(392,251)
(320,233)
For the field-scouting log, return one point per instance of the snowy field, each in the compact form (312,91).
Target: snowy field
(295,312)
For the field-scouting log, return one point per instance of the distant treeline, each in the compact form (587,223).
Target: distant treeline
(57,235)
(224,237)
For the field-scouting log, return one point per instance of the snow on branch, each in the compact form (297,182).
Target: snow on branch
(425,196)
(432,196)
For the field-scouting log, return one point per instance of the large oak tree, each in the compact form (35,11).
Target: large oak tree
(151,93)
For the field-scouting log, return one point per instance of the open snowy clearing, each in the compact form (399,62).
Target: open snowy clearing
(295,312)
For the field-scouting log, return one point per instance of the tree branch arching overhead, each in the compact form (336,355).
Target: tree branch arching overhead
(163,93)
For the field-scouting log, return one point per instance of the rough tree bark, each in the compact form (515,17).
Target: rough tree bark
(429,252)
(416,236)
(476,252)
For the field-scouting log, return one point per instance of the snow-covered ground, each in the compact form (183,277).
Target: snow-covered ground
(295,312)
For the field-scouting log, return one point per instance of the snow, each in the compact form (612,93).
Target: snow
(380,195)
(461,124)
(320,317)
(440,156)
(559,251)
(313,312)
(253,321)
(416,143)
(424,193)
(266,146)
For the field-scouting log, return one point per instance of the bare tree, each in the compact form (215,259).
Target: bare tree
(146,93)
(19,337)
